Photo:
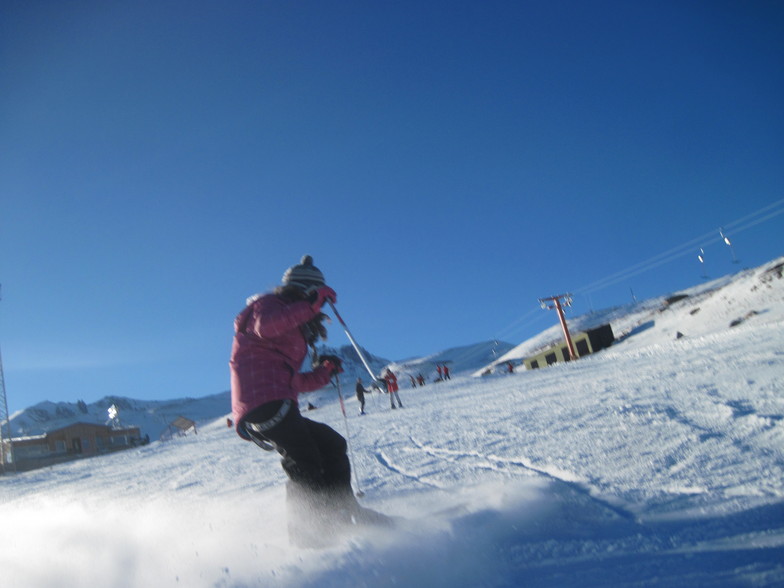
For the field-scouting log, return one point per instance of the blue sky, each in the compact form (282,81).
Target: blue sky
(445,163)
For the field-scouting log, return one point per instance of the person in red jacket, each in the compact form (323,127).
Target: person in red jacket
(391,380)
(272,337)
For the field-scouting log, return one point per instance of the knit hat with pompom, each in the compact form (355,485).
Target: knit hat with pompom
(305,275)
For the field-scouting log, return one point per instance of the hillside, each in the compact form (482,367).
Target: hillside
(752,294)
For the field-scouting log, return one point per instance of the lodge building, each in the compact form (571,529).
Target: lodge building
(75,441)
(585,343)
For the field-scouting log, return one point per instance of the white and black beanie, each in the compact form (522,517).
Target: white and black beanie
(305,275)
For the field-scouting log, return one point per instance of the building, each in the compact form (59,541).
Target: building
(75,441)
(585,343)
(179,426)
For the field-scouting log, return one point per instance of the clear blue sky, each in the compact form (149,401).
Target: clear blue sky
(446,163)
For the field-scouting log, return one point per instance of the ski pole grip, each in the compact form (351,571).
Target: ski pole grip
(353,342)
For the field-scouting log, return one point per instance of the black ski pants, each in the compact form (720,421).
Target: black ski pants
(314,454)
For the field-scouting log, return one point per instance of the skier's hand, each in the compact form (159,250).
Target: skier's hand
(322,295)
(333,368)
(333,363)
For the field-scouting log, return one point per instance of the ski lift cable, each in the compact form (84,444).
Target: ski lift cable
(683,249)
(522,321)
(758,221)
(743,219)
(739,225)
(641,267)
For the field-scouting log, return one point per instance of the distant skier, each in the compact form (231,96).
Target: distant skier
(391,380)
(361,396)
(272,335)
(446,372)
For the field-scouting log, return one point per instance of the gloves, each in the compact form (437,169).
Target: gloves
(320,296)
(333,363)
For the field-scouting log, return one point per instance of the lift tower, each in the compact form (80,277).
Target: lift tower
(555,302)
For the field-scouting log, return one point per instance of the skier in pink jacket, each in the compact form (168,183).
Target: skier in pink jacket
(272,336)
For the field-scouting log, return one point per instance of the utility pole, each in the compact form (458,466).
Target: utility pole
(6,443)
(555,302)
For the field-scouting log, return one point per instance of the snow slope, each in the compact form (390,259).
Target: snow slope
(695,311)
(657,462)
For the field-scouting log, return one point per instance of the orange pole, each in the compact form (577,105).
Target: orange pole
(557,305)
(565,328)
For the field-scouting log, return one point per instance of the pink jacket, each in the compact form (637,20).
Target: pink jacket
(266,356)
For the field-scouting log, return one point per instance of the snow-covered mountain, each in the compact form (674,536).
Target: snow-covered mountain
(154,417)
(656,462)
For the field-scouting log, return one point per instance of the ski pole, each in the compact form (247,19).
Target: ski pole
(348,436)
(353,342)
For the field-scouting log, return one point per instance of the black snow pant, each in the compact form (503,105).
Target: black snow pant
(314,455)
(320,500)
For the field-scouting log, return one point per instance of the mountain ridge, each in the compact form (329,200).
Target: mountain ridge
(154,416)
(702,309)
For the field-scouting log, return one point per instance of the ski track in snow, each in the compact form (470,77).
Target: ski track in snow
(502,464)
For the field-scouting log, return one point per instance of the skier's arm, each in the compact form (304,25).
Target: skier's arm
(309,381)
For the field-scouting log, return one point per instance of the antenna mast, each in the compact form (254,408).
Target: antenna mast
(6,440)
